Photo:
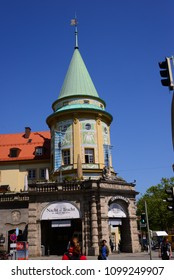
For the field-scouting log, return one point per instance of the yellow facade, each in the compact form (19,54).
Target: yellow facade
(13,175)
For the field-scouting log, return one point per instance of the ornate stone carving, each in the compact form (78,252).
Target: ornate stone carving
(15,215)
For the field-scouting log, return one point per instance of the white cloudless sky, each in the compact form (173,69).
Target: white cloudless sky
(121,43)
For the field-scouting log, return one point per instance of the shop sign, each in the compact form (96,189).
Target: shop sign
(61,223)
(22,250)
(119,197)
(116,211)
(115,222)
(20,246)
(60,210)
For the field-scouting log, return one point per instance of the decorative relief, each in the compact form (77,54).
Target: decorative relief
(119,197)
(15,215)
(88,137)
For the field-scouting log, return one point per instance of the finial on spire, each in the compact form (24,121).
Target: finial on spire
(74,23)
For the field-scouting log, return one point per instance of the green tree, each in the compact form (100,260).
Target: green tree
(160,218)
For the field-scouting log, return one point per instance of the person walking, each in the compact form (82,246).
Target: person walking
(165,250)
(74,251)
(111,245)
(103,251)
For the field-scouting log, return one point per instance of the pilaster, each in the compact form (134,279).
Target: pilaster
(94,228)
(34,235)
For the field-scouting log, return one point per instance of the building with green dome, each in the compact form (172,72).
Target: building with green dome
(80,126)
(61,183)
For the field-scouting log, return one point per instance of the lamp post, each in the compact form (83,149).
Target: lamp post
(148,231)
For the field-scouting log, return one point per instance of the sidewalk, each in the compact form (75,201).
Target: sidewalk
(113,256)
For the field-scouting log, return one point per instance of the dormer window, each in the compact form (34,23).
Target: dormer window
(39,151)
(14,152)
(65,103)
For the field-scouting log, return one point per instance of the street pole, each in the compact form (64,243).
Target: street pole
(148,231)
(141,237)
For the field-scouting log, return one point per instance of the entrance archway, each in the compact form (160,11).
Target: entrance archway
(119,223)
(59,222)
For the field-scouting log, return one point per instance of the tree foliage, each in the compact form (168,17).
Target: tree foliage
(159,217)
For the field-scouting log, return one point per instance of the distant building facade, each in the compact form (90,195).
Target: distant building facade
(60,183)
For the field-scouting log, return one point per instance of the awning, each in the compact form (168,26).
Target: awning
(160,233)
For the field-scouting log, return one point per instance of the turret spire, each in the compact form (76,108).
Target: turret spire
(74,23)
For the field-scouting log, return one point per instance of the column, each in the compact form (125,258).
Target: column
(133,227)
(104,219)
(94,228)
(100,143)
(34,236)
(76,141)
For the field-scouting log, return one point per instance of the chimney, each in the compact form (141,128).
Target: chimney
(27,132)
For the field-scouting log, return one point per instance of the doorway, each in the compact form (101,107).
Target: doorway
(56,234)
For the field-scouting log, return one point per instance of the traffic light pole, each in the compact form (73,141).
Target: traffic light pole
(167,80)
(141,235)
(166,73)
(148,231)
(170,199)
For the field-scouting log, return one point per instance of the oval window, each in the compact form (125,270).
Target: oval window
(88,126)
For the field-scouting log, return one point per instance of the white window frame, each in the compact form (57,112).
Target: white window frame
(66,157)
(89,155)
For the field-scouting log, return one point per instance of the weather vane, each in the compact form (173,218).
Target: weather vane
(74,23)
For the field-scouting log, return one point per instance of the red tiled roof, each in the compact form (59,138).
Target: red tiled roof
(25,145)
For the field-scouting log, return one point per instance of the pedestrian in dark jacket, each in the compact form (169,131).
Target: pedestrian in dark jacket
(103,251)
(111,245)
(165,251)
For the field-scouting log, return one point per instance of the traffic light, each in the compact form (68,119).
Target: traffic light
(170,199)
(166,73)
(143,218)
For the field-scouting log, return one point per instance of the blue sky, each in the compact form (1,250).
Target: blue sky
(121,42)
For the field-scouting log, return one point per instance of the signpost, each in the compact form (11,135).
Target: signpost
(148,231)
(13,237)
(22,250)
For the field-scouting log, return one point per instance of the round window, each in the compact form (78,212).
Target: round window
(88,126)
(105,130)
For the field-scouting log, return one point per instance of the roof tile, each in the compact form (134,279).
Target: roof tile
(27,146)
